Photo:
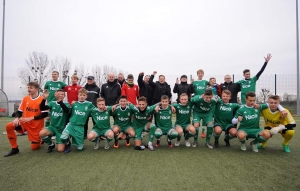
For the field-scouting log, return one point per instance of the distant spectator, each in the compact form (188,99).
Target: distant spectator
(121,79)
(234,88)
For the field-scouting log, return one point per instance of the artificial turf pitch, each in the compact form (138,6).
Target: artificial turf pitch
(178,168)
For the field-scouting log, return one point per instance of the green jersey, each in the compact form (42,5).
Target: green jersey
(141,117)
(224,112)
(102,118)
(247,86)
(52,87)
(58,118)
(122,117)
(163,118)
(250,116)
(201,106)
(199,86)
(80,112)
(183,113)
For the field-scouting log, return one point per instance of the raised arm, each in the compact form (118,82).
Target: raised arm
(151,79)
(267,59)
(140,80)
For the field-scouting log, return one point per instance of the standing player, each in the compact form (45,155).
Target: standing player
(29,117)
(102,127)
(59,112)
(276,123)
(80,111)
(51,87)
(203,106)
(249,84)
(163,119)
(183,119)
(141,114)
(249,123)
(198,88)
(224,113)
(122,122)
(131,90)
(72,90)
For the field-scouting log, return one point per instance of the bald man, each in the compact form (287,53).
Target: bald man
(234,88)
(111,90)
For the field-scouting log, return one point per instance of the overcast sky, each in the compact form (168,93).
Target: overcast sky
(173,37)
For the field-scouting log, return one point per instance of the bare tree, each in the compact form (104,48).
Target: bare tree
(82,74)
(263,95)
(62,65)
(37,68)
(100,77)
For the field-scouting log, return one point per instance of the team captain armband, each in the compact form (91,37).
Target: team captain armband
(41,116)
(290,126)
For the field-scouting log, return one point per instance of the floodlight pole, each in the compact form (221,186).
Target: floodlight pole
(2,59)
(298,78)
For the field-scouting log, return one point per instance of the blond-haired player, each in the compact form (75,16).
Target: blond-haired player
(278,124)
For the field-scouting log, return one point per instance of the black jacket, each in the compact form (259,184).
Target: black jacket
(159,90)
(111,91)
(233,88)
(93,92)
(146,89)
(183,87)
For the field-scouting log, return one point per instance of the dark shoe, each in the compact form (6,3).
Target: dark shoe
(12,152)
(67,148)
(227,142)
(216,145)
(50,148)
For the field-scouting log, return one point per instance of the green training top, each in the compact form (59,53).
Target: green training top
(224,112)
(201,106)
(250,116)
(58,118)
(141,117)
(52,87)
(163,118)
(80,112)
(102,118)
(199,86)
(122,117)
(183,113)
(247,86)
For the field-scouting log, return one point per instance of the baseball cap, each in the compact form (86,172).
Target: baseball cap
(90,78)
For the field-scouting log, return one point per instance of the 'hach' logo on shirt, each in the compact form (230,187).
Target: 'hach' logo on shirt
(31,109)
(225,108)
(165,117)
(184,111)
(79,112)
(273,122)
(55,114)
(99,118)
(248,117)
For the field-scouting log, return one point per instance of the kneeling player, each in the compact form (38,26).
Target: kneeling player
(183,120)
(141,124)
(80,111)
(59,112)
(29,117)
(224,112)
(203,106)
(101,116)
(163,119)
(122,122)
(276,123)
(249,126)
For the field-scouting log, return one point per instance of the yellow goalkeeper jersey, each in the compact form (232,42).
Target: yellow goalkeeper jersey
(273,119)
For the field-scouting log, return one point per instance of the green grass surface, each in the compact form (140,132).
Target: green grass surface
(179,168)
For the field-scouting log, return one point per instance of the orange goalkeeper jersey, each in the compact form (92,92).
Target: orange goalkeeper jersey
(30,108)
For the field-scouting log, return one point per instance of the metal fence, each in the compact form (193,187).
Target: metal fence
(282,85)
